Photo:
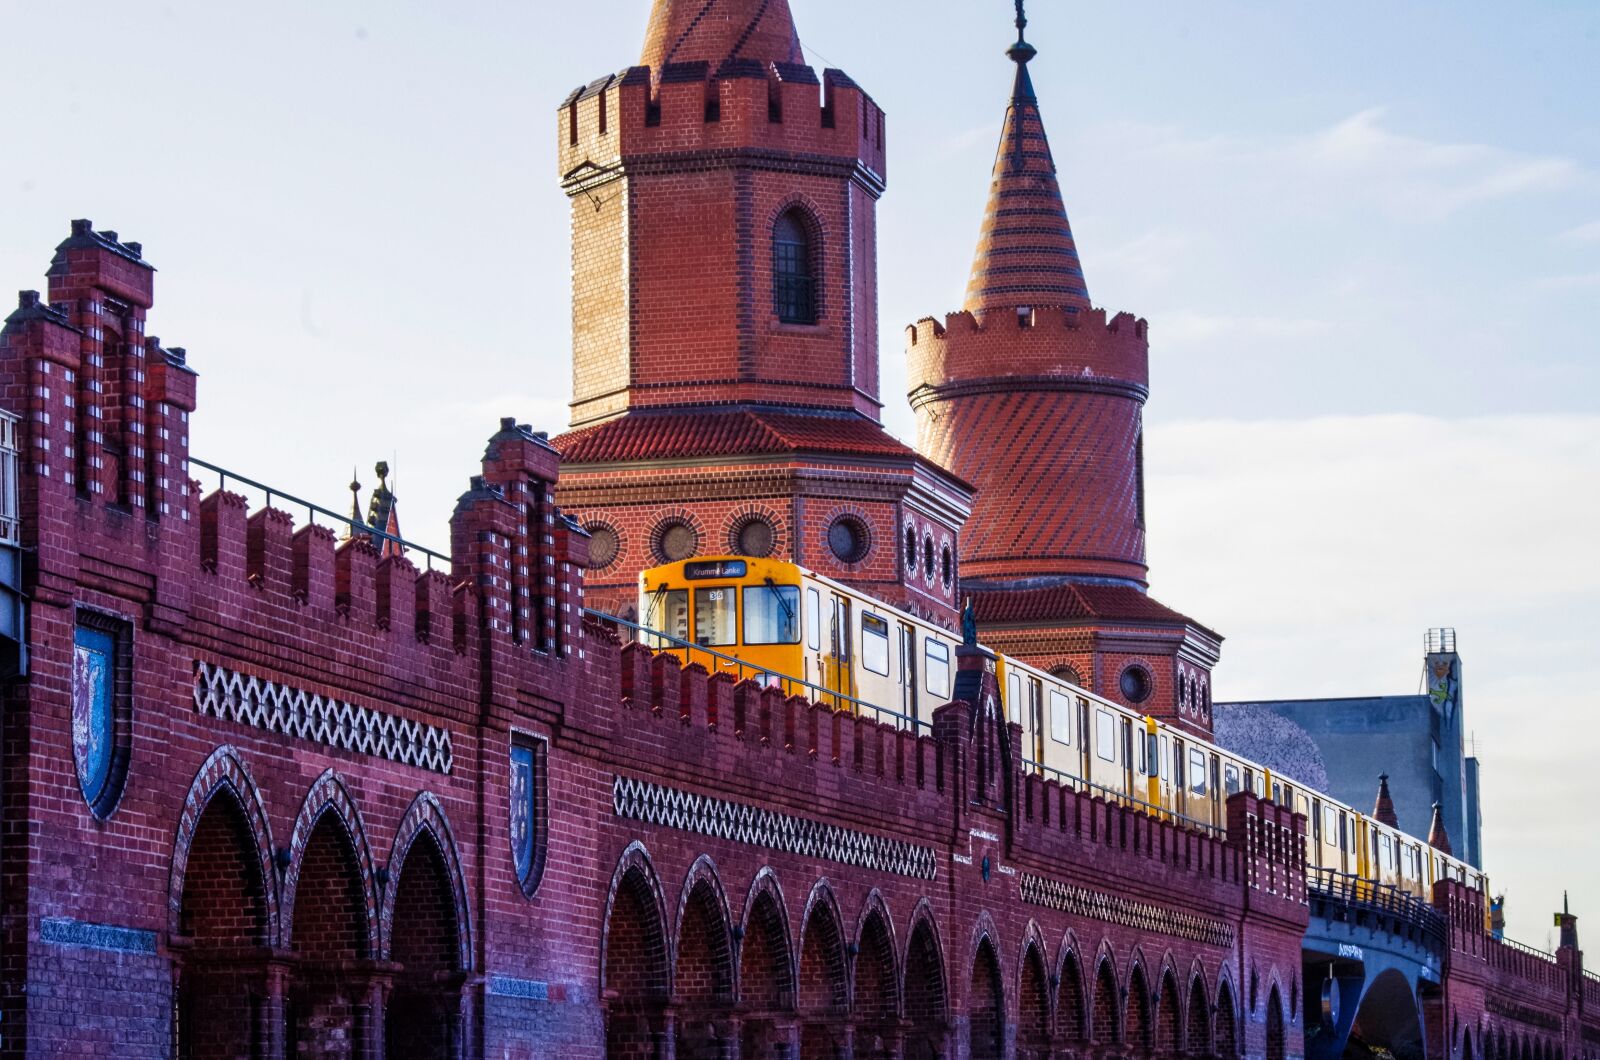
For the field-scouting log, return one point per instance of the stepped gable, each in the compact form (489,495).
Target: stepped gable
(716,31)
(1026,254)
(1066,601)
(672,435)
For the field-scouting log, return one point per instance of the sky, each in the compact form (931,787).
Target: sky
(1366,236)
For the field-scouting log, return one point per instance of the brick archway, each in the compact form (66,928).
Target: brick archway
(925,991)
(1136,1030)
(823,993)
(1277,1040)
(634,961)
(703,969)
(1197,1025)
(224,915)
(1227,1022)
(1105,1025)
(426,933)
(1033,1002)
(875,999)
(1169,1015)
(766,968)
(1072,1010)
(330,919)
(986,1006)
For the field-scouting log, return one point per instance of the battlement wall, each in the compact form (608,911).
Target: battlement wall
(1041,347)
(742,107)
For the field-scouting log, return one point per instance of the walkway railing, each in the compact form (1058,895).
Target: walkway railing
(1352,895)
(313,510)
(1077,783)
(718,662)
(1523,948)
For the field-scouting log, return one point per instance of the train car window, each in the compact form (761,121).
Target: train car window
(1197,772)
(1386,852)
(908,669)
(1216,775)
(716,616)
(1231,781)
(1149,754)
(1166,758)
(875,644)
(813,620)
(1177,764)
(668,612)
(936,665)
(1060,718)
(1105,735)
(772,614)
(1344,833)
(1014,697)
(1330,825)
(843,637)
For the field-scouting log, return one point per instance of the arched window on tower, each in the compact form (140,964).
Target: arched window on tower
(794,288)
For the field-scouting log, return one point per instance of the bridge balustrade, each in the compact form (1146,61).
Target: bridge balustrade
(1343,897)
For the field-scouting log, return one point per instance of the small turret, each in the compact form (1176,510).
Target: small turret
(1438,838)
(1383,809)
(693,31)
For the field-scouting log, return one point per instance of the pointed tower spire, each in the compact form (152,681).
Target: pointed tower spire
(1438,838)
(1383,809)
(1026,255)
(714,31)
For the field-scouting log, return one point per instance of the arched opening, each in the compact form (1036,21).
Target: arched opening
(1227,1025)
(1071,1013)
(875,1003)
(1277,1044)
(794,285)
(703,978)
(1105,1025)
(424,1008)
(1387,1017)
(1033,1008)
(823,997)
(224,920)
(1137,1033)
(635,979)
(925,995)
(1168,1017)
(330,935)
(985,1007)
(766,983)
(1466,1046)
(1197,1027)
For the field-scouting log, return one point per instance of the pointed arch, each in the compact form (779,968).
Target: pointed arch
(925,987)
(425,817)
(223,773)
(1277,1036)
(329,800)
(1225,1027)
(1035,1015)
(986,1005)
(1136,1021)
(702,951)
(824,982)
(635,958)
(875,993)
(1071,1002)
(1197,1022)
(1105,1019)
(1169,1014)
(766,966)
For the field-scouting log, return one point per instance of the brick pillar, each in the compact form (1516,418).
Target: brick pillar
(272,1045)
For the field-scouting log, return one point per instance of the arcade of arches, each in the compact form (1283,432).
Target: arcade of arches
(305,951)
(815,981)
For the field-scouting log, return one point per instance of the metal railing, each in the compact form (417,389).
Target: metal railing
(1406,911)
(224,476)
(1525,949)
(1077,783)
(720,662)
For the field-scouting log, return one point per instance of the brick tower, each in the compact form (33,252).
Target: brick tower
(725,351)
(1036,398)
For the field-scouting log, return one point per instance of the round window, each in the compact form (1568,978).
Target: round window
(911,550)
(603,546)
(1069,674)
(1135,684)
(947,565)
(847,537)
(675,540)
(755,538)
(927,556)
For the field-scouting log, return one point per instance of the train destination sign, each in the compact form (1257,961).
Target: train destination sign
(714,568)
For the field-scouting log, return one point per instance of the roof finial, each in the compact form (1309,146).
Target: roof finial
(1021,51)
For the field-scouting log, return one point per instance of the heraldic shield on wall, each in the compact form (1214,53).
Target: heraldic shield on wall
(100,697)
(527,793)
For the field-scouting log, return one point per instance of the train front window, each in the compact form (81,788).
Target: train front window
(668,612)
(875,644)
(772,614)
(716,616)
(1060,717)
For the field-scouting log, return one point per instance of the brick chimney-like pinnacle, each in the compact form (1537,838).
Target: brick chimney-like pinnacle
(1438,838)
(1026,255)
(713,31)
(1383,809)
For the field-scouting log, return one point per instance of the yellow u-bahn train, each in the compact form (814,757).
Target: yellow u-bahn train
(784,625)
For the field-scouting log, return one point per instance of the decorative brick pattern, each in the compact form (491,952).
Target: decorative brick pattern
(1113,909)
(652,803)
(263,704)
(64,931)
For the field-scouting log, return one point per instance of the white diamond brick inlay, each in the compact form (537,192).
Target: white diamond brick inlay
(640,800)
(1115,909)
(261,704)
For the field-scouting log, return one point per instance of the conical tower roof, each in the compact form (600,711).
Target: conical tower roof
(713,31)
(1438,838)
(1026,254)
(1383,809)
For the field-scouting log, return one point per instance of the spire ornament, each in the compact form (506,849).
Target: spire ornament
(1021,51)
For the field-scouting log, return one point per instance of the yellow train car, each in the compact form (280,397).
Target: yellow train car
(782,625)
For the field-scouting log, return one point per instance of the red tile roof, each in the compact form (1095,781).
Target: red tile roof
(1069,601)
(686,433)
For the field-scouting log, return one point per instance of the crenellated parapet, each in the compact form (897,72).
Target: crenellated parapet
(1044,348)
(730,114)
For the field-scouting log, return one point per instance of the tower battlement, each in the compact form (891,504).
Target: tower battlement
(691,113)
(1051,346)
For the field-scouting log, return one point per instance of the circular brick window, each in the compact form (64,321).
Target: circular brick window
(947,566)
(911,550)
(675,540)
(754,537)
(848,539)
(927,557)
(603,546)
(1135,684)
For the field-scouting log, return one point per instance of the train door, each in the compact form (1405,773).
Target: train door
(814,668)
(1150,761)
(1033,734)
(1086,735)
(1217,794)
(839,669)
(1180,776)
(1127,758)
(908,670)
